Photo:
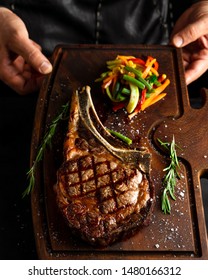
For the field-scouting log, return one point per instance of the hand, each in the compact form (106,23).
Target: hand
(191,33)
(22,64)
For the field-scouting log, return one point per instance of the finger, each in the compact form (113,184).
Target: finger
(20,76)
(25,82)
(36,44)
(31,53)
(15,40)
(194,71)
(190,33)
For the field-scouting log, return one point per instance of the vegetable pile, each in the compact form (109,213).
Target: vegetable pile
(133,83)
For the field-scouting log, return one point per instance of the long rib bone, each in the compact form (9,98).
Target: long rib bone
(139,158)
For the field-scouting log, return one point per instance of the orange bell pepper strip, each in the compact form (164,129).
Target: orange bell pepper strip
(106,84)
(157,93)
(158,97)
(124,58)
(155,65)
(107,81)
(151,100)
(161,88)
(154,71)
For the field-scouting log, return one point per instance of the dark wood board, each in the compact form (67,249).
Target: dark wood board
(180,235)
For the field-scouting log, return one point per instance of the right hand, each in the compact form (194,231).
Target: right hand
(22,64)
(190,33)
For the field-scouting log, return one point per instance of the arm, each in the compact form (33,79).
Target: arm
(22,63)
(191,33)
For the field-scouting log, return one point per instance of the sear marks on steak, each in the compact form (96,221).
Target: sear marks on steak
(103,192)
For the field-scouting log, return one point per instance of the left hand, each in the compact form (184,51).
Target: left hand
(191,33)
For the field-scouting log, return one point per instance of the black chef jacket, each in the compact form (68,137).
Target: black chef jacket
(51,22)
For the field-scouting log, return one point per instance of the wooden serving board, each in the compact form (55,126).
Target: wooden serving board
(180,235)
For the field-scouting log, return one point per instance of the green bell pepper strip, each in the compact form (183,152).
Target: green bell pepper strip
(134,98)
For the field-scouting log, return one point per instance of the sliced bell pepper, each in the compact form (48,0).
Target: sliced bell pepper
(151,100)
(138,61)
(125,77)
(162,87)
(118,106)
(155,65)
(148,68)
(157,98)
(162,77)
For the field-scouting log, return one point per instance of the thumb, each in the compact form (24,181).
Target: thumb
(189,33)
(32,54)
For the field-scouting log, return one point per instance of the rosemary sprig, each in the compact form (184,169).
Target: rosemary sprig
(171,176)
(47,141)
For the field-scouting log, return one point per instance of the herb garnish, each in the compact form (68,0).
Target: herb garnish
(171,176)
(45,142)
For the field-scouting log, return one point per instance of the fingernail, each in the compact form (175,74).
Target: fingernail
(45,67)
(188,80)
(178,41)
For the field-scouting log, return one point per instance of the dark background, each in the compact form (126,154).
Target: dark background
(16,122)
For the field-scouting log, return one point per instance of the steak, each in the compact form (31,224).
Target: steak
(103,188)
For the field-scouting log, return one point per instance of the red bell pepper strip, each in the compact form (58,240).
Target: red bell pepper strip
(139,105)
(155,65)
(118,106)
(137,61)
(162,78)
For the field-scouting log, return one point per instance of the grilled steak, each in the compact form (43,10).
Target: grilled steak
(102,190)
